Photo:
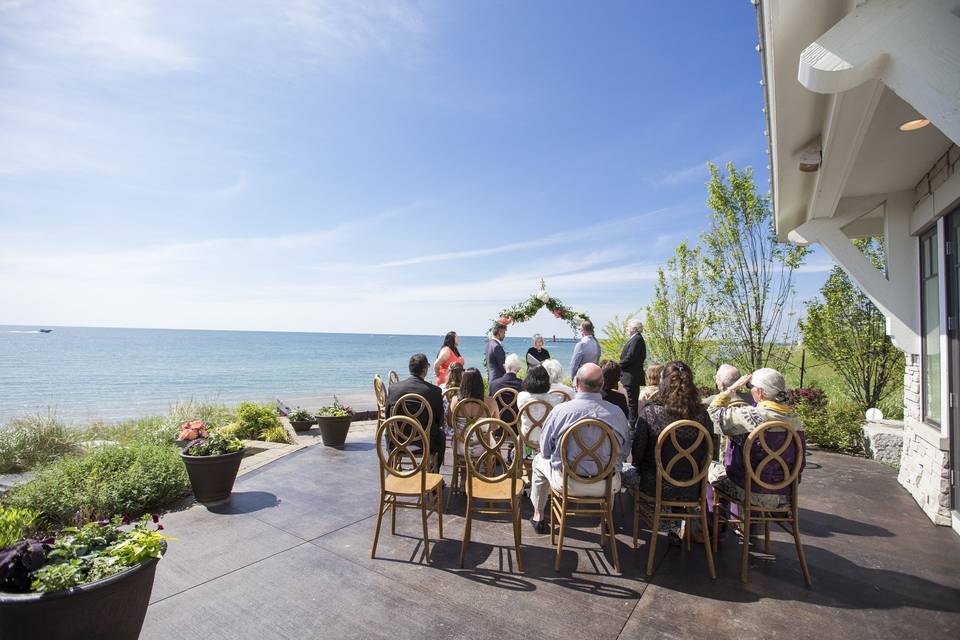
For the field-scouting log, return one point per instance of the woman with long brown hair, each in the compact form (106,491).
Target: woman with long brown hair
(677,399)
(448,354)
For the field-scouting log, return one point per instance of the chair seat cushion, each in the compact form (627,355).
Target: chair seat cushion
(411,486)
(583,489)
(494,490)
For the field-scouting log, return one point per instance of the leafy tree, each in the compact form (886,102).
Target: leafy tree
(678,320)
(615,336)
(750,274)
(849,332)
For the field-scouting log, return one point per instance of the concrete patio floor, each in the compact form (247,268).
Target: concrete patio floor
(289,557)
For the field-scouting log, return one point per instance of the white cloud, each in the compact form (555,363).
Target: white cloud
(115,35)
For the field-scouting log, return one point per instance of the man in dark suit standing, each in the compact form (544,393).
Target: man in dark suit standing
(631,362)
(419,366)
(496,356)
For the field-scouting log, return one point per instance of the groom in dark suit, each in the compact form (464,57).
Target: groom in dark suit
(631,363)
(495,353)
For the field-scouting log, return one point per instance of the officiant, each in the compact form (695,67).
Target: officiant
(537,354)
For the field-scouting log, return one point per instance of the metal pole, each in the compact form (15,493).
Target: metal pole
(803,362)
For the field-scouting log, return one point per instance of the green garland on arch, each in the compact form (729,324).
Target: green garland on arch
(525,310)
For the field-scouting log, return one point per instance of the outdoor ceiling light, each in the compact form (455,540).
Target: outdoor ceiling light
(913,125)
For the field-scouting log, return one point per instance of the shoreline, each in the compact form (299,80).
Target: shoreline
(358,400)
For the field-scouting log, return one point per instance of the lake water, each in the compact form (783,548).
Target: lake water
(85,373)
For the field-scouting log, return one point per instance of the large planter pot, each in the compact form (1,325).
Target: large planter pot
(109,609)
(302,425)
(334,430)
(212,476)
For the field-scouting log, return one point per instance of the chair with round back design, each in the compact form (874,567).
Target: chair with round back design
(492,477)
(751,513)
(401,442)
(466,412)
(581,493)
(655,507)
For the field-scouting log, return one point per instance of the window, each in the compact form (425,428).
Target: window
(930,325)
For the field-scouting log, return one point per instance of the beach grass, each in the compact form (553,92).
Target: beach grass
(35,440)
(115,480)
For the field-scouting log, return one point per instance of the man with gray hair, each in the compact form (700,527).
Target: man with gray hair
(508,380)
(632,359)
(548,464)
(727,375)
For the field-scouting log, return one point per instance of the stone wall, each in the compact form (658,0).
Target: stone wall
(924,465)
(911,388)
(883,441)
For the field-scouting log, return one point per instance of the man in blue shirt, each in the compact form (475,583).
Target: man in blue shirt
(587,350)
(548,464)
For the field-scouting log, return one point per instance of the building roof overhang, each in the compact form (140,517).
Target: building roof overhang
(839,78)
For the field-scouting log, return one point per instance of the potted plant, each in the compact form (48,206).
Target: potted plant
(90,582)
(212,464)
(334,421)
(301,420)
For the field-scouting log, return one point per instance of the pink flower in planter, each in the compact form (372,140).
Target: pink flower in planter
(192,430)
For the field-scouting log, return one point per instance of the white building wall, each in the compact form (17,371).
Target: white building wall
(925,458)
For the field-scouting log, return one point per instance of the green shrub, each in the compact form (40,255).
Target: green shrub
(15,524)
(253,420)
(838,426)
(32,441)
(121,480)
(276,434)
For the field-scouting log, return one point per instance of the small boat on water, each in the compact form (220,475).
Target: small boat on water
(45,330)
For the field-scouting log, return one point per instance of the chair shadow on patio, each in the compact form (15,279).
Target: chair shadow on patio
(840,584)
(817,524)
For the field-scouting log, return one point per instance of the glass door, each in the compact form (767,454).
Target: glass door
(953,332)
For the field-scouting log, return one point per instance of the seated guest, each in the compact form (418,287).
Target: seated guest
(508,380)
(677,399)
(536,386)
(611,385)
(727,374)
(419,367)
(548,464)
(649,393)
(769,392)
(537,355)
(555,369)
(454,376)
(471,386)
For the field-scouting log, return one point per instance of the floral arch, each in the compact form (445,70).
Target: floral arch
(523,311)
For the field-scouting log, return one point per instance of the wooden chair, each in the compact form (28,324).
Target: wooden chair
(380,392)
(492,477)
(401,439)
(754,514)
(413,405)
(562,395)
(506,401)
(531,410)
(448,396)
(392,377)
(656,508)
(574,497)
(467,411)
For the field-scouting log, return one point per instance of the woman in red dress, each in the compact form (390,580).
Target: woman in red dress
(447,356)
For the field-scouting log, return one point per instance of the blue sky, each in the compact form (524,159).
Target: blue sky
(384,167)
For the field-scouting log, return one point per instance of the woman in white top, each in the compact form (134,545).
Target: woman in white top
(536,386)
(555,370)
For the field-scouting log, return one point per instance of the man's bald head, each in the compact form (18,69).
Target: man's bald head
(590,378)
